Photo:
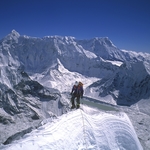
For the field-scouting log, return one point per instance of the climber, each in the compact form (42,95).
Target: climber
(77,92)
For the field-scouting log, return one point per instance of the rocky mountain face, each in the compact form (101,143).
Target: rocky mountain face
(128,85)
(30,66)
(22,106)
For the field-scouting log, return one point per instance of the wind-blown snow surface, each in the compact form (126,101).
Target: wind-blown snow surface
(81,129)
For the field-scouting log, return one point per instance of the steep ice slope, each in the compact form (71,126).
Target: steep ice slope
(88,129)
(38,54)
(103,47)
(58,77)
(87,57)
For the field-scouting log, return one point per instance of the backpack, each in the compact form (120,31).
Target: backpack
(80,84)
(80,88)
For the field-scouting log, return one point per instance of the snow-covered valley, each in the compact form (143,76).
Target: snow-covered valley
(36,77)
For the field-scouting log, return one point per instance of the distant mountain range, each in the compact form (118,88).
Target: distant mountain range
(36,72)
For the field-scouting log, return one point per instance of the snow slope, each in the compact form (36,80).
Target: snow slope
(84,128)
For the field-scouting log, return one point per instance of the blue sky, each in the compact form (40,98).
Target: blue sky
(125,22)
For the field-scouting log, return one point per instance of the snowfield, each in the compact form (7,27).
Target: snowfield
(81,129)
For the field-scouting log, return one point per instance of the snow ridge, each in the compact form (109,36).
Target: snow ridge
(80,130)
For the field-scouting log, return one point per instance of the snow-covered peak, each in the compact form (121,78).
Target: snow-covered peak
(12,37)
(104,40)
(15,33)
(102,47)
